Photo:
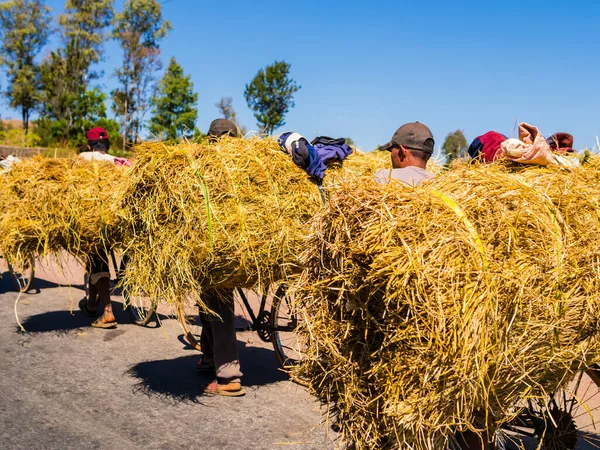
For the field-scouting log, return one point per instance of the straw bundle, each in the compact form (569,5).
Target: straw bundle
(436,309)
(221,215)
(226,214)
(53,204)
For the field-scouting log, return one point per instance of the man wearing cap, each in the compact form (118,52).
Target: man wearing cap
(97,147)
(97,266)
(218,340)
(222,127)
(411,147)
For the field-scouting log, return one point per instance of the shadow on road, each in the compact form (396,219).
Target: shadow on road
(6,284)
(62,322)
(178,380)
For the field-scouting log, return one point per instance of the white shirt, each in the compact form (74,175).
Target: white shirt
(412,176)
(96,156)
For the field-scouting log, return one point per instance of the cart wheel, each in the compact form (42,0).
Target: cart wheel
(288,345)
(569,419)
(140,308)
(22,276)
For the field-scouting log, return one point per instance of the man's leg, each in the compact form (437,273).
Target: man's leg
(206,337)
(100,287)
(224,341)
(103,289)
(92,299)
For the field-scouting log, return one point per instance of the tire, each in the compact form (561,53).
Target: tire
(141,308)
(189,321)
(570,418)
(22,277)
(287,343)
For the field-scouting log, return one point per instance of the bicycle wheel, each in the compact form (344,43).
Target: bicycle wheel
(141,308)
(288,345)
(189,321)
(570,420)
(22,275)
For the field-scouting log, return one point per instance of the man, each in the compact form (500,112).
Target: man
(97,266)
(411,147)
(218,339)
(222,127)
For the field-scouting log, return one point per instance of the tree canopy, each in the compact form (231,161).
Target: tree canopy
(270,95)
(68,70)
(139,30)
(24,30)
(455,146)
(174,105)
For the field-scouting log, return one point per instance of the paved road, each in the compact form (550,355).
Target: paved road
(64,385)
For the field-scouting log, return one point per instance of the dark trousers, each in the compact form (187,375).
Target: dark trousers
(218,340)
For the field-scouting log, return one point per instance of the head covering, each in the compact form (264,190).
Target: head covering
(487,146)
(413,136)
(97,134)
(222,127)
(561,142)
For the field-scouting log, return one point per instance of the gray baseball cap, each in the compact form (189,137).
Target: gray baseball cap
(222,127)
(414,136)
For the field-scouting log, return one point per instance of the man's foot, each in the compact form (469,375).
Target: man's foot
(107,321)
(83,306)
(231,389)
(203,365)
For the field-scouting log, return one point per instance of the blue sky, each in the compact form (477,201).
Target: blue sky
(367,67)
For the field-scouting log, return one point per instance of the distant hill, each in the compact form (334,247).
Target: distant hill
(13,123)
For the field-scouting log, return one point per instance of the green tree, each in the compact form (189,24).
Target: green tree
(138,29)
(270,95)
(455,146)
(24,30)
(67,72)
(174,105)
(93,114)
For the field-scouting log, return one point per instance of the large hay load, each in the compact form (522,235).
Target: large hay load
(221,215)
(232,213)
(437,309)
(50,204)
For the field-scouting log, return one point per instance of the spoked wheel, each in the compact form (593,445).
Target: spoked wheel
(571,419)
(22,275)
(140,308)
(189,321)
(289,346)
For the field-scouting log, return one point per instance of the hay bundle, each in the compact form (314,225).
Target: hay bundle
(228,214)
(53,204)
(437,309)
(222,215)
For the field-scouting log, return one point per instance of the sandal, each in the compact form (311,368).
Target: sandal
(100,323)
(204,367)
(233,389)
(84,308)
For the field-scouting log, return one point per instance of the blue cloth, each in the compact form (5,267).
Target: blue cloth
(303,154)
(332,152)
(314,157)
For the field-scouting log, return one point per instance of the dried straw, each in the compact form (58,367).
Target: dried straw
(436,309)
(49,205)
(229,214)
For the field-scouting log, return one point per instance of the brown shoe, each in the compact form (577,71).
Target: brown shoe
(233,389)
(101,322)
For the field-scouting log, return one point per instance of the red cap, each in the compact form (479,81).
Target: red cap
(97,134)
